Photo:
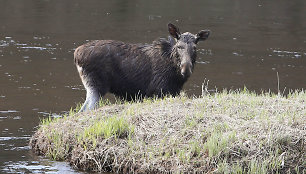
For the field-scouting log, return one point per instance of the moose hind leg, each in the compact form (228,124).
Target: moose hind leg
(92,99)
(95,88)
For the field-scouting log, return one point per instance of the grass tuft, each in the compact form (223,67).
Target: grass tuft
(115,126)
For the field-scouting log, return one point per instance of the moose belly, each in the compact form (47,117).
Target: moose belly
(129,91)
(129,87)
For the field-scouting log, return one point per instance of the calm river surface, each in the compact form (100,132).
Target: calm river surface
(251,41)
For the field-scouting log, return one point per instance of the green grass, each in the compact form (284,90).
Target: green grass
(217,142)
(115,126)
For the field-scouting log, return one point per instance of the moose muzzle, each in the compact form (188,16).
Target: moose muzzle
(186,69)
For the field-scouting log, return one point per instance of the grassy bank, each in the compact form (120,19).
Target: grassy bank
(226,132)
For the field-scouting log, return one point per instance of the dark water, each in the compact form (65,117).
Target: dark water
(251,42)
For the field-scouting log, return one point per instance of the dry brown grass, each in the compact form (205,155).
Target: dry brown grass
(227,132)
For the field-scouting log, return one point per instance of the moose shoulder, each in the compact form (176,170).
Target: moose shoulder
(134,70)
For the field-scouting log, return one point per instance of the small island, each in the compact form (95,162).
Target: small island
(223,132)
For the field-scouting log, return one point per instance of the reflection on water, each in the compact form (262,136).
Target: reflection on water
(251,42)
(40,166)
(26,162)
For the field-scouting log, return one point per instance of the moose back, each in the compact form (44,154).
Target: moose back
(137,70)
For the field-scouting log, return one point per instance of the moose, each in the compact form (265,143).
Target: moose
(131,70)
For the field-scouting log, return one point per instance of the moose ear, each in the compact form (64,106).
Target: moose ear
(174,31)
(202,35)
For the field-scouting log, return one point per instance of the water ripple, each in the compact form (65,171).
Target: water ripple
(8,111)
(13,138)
(287,53)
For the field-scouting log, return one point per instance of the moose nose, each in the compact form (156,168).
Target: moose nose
(186,69)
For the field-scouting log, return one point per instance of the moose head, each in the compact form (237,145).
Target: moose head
(184,48)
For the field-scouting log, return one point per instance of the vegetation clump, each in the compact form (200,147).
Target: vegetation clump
(225,132)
